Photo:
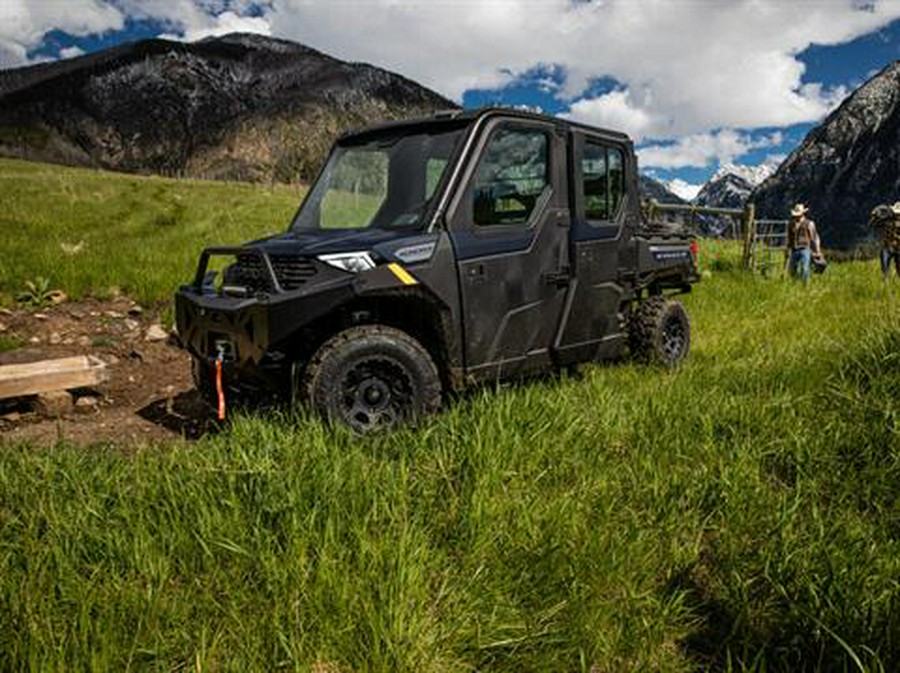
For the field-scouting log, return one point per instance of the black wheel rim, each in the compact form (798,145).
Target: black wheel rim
(674,338)
(376,393)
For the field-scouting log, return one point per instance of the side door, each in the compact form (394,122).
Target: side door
(509,228)
(590,327)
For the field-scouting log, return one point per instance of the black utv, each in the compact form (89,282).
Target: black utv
(438,253)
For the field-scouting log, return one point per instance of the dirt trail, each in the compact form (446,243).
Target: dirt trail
(149,395)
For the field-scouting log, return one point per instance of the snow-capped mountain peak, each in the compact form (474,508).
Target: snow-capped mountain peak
(682,189)
(754,175)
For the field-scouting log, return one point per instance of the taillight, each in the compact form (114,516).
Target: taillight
(695,252)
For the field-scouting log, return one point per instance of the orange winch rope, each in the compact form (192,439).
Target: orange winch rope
(220,393)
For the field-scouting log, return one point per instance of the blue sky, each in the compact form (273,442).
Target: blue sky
(697,83)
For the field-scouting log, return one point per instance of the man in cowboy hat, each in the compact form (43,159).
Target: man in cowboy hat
(886,219)
(802,243)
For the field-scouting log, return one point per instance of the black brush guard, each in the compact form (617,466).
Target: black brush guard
(236,252)
(215,324)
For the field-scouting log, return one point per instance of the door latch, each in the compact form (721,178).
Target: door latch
(475,274)
(559,278)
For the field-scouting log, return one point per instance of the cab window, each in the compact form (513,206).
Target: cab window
(603,181)
(511,176)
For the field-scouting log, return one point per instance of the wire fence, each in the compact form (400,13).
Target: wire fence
(768,246)
(763,240)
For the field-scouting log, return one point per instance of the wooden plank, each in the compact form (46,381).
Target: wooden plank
(48,375)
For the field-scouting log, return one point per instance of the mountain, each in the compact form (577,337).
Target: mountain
(726,191)
(845,166)
(651,189)
(235,107)
(681,189)
(654,189)
(731,185)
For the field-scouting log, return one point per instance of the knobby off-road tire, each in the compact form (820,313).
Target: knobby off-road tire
(659,332)
(372,378)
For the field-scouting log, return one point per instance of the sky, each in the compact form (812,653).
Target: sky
(698,84)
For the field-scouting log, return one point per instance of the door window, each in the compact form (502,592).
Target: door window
(512,175)
(603,181)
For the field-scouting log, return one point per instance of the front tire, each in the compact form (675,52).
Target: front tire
(660,331)
(372,377)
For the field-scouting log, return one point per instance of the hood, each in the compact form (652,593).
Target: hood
(324,242)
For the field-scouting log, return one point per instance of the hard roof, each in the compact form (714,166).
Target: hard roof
(468,116)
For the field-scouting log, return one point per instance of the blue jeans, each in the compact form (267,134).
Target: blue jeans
(801,257)
(886,255)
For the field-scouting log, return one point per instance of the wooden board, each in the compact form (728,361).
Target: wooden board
(48,375)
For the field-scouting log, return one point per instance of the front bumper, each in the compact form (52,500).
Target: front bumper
(258,325)
(214,326)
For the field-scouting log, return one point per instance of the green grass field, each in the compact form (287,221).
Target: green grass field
(98,233)
(739,513)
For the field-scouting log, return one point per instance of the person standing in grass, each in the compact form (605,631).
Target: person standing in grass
(803,243)
(886,220)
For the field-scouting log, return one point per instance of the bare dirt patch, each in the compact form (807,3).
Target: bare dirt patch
(149,395)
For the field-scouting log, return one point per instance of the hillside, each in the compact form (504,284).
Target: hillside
(242,107)
(59,222)
(846,165)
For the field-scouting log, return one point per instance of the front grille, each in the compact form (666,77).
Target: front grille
(292,271)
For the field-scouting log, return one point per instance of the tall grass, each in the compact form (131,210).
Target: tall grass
(98,233)
(738,513)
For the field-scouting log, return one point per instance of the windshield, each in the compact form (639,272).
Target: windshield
(385,182)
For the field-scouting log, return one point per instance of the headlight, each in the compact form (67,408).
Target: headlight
(353,262)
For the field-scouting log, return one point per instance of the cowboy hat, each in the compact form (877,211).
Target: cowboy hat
(799,210)
(896,208)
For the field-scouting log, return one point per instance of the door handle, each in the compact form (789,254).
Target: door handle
(475,273)
(559,278)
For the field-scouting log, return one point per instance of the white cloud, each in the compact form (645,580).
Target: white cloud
(684,67)
(222,24)
(195,19)
(615,110)
(702,149)
(23,23)
(70,52)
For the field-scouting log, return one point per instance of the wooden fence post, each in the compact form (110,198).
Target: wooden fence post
(749,223)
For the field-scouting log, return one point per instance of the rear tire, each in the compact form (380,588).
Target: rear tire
(372,378)
(660,331)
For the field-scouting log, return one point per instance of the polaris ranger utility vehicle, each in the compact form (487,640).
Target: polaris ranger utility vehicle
(434,254)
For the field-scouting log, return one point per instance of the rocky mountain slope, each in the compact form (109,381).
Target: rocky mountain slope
(727,191)
(704,224)
(731,185)
(654,189)
(845,166)
(236,107)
